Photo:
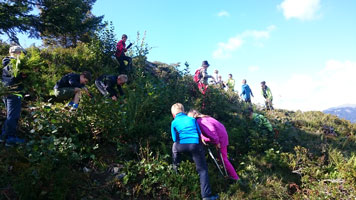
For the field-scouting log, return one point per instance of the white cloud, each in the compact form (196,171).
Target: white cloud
(253,68)
(332,86)
(300,9)
(224,50)
(223,13)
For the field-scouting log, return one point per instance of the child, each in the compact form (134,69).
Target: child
(214,132)
(185,135)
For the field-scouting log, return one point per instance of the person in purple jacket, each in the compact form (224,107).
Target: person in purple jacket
(215,133)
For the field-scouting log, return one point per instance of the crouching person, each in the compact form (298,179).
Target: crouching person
(106,85)
(185,135)
(71,87)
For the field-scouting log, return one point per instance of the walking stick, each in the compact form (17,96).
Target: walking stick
(216,162)
(221,157)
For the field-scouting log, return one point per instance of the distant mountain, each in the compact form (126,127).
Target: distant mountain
(347,112)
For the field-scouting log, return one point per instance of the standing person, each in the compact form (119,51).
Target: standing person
(71,86)
(12,80)
(201,77)
(106,85)
(215,133)
(246,92)
(220,83)
(267,94)
(185,135)
(216,76)
(120,54)
(230,83)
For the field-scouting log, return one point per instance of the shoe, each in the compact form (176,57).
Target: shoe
(14,141)
(70,104)
(213,197)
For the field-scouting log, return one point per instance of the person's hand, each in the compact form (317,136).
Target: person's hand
(218,146)
(114,98)
(86,91)
(203,141)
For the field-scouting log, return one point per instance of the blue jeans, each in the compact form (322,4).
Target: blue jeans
(198,155)
(13,110)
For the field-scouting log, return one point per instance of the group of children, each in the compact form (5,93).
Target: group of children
(72,86)
(69,87)
(189,131)
(201,78)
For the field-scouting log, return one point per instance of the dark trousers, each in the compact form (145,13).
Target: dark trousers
(13,110)
(198,155)
(248,100)
(268,103)
(122,68)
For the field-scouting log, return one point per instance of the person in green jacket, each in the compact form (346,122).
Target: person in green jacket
(230,83)
(261,121)
(267,94)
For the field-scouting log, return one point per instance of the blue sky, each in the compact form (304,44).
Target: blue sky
(304,49)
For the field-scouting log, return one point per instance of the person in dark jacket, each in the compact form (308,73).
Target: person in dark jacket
(12,80)
(186,137)
(106,85)
(71,86)
(120,54)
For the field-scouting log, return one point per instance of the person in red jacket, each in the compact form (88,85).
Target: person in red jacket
(120,54)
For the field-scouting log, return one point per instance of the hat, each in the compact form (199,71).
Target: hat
(205,63)
(15,49)
(263,82)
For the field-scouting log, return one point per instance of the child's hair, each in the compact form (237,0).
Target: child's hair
(196,114)
(177,108)
(86,75)
(123,77)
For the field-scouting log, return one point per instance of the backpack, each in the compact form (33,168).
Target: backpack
(197,75)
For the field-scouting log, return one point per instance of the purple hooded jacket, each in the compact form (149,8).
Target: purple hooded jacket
(213,130)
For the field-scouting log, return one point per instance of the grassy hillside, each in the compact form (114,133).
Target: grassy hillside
(122,150)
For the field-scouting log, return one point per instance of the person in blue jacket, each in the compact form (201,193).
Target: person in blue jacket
(71,86)
(12,80)
(246,92)
(186,137)
(106,85)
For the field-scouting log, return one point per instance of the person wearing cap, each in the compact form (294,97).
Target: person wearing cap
(12,80)
(106,85)
(120,54)
(267,94)
(246,92)
(203,77)
(71,86)
(230,83)
(186,139)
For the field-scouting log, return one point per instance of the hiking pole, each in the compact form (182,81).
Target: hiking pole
(222,160)
(216,162)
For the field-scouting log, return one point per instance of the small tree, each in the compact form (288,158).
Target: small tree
(68,21)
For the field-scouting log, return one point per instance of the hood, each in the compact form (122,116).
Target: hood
(6,61)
